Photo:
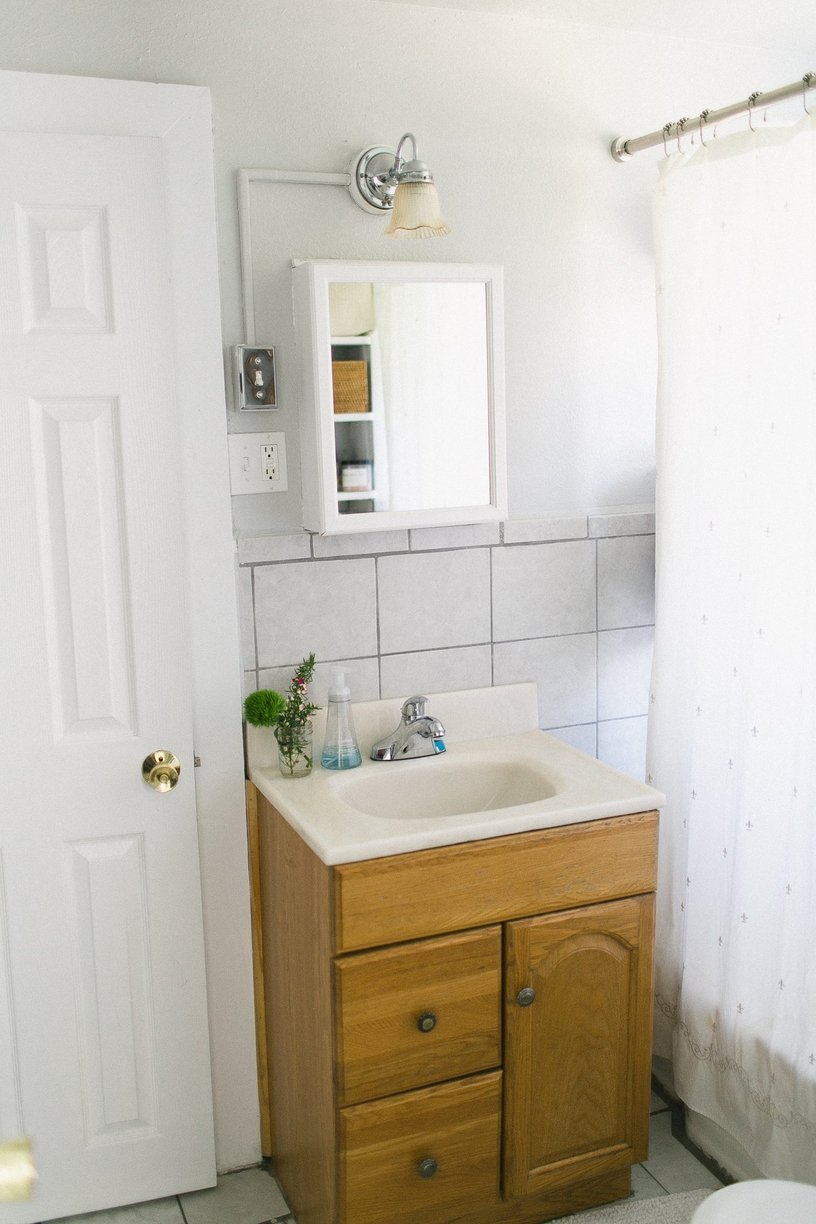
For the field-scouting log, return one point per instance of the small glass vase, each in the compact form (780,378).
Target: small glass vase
(295,756)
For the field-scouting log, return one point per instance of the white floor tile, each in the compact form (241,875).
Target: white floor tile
(644,1185)
(160,1211)
(247,1197)
(672,1165)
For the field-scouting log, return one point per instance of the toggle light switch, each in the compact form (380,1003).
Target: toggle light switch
(255,377)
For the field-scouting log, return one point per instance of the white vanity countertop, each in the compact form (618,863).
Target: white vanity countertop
(492,728)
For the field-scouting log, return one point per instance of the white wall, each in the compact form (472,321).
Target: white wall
(515,117)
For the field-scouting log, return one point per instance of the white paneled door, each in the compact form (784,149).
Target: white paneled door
(104,1056)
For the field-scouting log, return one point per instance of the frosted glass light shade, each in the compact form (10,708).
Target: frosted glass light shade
(416,213)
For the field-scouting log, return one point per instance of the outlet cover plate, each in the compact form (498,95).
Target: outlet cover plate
(257,463)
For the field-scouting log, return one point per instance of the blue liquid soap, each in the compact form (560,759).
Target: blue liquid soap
(340,749)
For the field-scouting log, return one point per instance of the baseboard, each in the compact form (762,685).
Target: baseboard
(720,1146)
(713,1155)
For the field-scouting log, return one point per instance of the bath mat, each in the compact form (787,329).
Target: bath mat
(668,1209)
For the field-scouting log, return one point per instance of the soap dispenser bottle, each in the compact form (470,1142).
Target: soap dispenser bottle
(340,750)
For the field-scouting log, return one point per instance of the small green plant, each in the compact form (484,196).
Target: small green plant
(264,708)
(289,714)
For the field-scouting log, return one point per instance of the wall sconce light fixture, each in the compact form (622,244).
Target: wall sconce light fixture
(380,180)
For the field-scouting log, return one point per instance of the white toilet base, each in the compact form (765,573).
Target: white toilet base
(759,1202)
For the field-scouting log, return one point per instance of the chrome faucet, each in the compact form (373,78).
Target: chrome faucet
(418,735)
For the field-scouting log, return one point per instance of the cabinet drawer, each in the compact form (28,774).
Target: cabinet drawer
(429,892)
(417,1014)
(384,1144)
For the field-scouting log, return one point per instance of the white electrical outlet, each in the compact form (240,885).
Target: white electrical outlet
(257,463)
(270,471)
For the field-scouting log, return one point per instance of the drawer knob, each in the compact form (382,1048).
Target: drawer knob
(525,996)
(426,1022)
(427,1167)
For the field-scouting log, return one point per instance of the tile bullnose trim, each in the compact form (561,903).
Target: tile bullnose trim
(545,530)
(625,521)
(468,535)
(260,549)
(363,543)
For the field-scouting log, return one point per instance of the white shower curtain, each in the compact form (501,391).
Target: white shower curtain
(732,738)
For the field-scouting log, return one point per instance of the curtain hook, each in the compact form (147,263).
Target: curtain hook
(679,126)
(666,130)
(703,119)
(752,101)
(807,83)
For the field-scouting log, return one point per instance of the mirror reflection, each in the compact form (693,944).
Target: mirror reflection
(411,396)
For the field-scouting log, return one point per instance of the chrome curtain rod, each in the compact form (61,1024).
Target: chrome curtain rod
(623,150)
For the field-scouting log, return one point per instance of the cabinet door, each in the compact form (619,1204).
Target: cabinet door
(577,1057)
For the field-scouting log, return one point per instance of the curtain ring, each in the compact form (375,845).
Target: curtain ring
(752,101)
(807,83)
(679,126)
(703,119)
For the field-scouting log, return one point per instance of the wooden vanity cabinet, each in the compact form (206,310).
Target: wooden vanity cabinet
(459,1035)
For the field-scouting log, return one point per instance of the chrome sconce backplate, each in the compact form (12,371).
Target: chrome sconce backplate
(372,182)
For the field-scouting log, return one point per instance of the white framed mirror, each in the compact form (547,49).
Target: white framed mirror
(402,394)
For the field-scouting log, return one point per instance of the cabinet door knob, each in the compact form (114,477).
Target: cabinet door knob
(426,1022)
(525,996)
(427,1167)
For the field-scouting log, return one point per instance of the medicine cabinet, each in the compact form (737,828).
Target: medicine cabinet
(402,394)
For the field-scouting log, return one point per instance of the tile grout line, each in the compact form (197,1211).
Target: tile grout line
(597,647)
(490,611)
(377,626)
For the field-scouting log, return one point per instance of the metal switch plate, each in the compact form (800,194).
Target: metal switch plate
(255,385)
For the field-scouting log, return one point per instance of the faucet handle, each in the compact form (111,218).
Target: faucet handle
(413,708)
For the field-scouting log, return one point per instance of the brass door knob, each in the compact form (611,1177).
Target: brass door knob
(18,1175)
(160,769)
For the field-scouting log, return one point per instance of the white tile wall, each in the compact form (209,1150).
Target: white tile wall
(562,667)
(626,569)
(567,602)
(362,677)
(328,607)
(543,589)
(624,668)
(622,744)
(246,618)
(584,738)
(431,600)
(436,671)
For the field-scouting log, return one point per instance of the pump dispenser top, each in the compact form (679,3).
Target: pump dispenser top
(340,749)
(339,690)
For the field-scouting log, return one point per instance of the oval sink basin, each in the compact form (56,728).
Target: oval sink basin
(439,786)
